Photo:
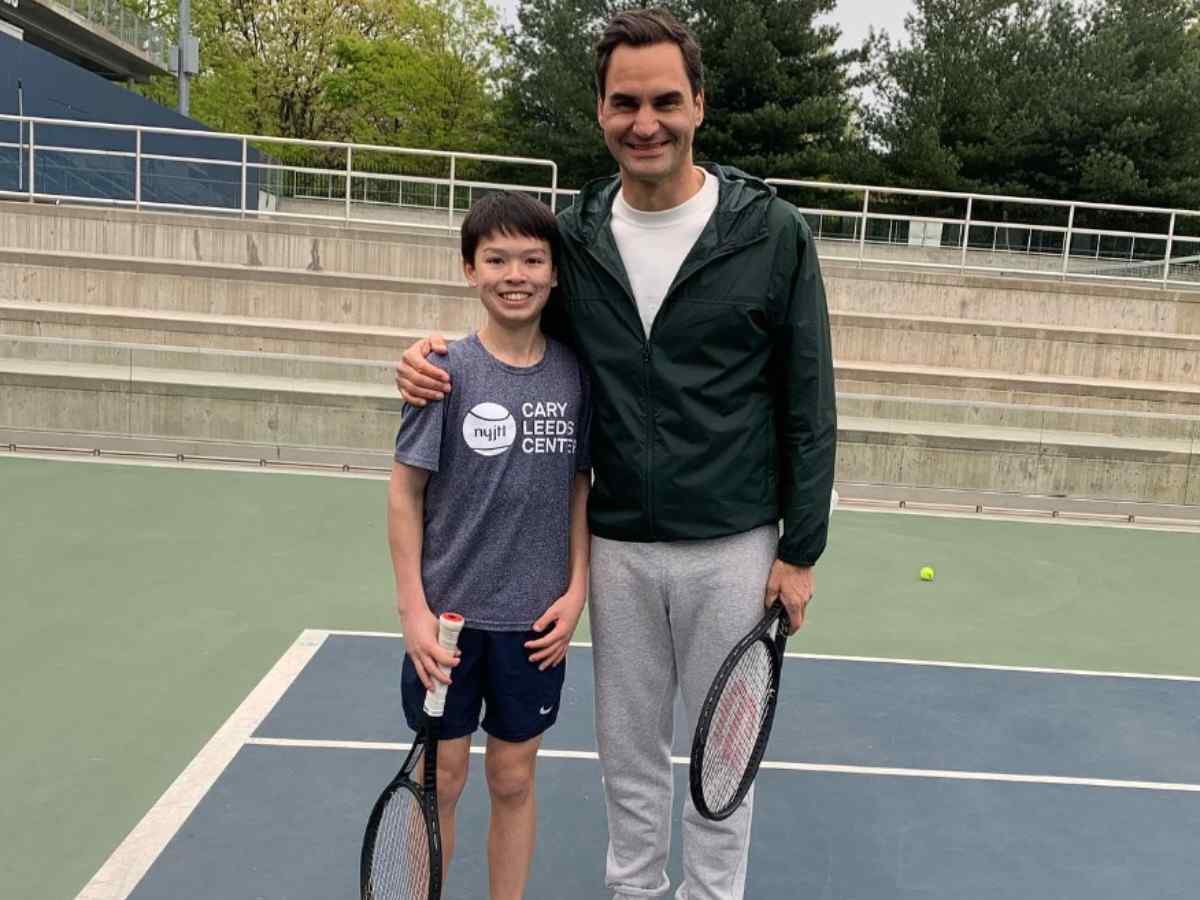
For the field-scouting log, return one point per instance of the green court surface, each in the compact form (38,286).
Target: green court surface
(141,605)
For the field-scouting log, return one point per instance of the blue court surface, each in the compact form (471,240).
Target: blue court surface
(885,780)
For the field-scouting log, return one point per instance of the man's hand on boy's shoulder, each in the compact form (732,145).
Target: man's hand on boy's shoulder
(419,380)
(551,648)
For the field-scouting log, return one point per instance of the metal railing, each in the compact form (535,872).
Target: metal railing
(967,232)
(122,23)
(204,171)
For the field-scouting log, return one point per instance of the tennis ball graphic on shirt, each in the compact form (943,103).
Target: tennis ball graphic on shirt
(489,429)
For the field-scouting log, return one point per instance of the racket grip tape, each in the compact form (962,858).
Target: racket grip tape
(450,625)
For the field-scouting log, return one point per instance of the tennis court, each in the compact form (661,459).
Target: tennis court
(205,653)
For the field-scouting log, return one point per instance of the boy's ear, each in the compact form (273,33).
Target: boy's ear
(554,276)
(469,272)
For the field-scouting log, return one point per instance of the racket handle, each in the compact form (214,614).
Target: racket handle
(450,625)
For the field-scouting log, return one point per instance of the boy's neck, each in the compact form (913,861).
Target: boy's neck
(524,345)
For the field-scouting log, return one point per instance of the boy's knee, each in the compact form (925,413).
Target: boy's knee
(452,778)
(510,782)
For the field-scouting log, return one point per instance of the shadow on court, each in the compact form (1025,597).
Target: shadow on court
(885,781)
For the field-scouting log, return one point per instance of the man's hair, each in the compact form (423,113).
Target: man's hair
(641,28)
(511,213)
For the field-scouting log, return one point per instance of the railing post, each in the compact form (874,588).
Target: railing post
(245,160)
(966,237)
(1170,242)
(554,187)
(1066,262)
(31,166)
(862,235)
(137,170)
(450,205)
(349,169)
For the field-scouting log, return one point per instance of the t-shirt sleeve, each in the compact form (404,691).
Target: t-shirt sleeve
(583,449)
(419,440)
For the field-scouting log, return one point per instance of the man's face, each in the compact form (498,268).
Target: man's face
(648,113)
(514,274)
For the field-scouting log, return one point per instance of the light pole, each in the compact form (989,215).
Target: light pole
(185,57)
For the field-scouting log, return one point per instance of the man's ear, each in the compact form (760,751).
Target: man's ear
(600,111)
(700,108)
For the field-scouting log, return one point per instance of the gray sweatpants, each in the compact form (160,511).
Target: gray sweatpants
(663,618)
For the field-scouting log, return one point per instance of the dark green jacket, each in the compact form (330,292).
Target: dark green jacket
(724,419)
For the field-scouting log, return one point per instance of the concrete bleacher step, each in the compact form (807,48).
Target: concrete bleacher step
(229,240)
(146,392)
(1052,350)
(173,329)
(226,290)
(1075,392)
(1120,306)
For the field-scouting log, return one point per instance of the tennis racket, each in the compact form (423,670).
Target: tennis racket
(735,721)
(402,848)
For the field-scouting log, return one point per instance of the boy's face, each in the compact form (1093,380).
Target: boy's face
(514,275)
(648,113)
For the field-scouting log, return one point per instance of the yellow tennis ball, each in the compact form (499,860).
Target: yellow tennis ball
(927,573)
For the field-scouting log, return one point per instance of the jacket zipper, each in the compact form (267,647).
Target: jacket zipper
(649,433)
(685,272)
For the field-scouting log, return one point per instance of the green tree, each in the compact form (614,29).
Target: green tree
(1096,101)
(549,103)
(434,87)
(779,94)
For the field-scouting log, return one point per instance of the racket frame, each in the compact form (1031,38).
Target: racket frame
(424,751)
(776,617)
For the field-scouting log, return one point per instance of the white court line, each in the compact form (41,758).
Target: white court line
(132,859)
(781,766)
(277,468)
(942,664)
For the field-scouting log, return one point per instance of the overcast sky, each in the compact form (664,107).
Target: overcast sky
(855,16)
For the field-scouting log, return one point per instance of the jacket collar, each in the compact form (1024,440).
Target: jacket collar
(740,217)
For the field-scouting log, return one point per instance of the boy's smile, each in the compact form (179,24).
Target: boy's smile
(514,275)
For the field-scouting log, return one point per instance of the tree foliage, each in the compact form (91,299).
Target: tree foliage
(779,92)
(1097,101)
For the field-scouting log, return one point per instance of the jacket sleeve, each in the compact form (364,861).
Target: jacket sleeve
(805,406)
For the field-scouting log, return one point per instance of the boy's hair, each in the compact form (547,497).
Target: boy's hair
(512,213)
(641,28)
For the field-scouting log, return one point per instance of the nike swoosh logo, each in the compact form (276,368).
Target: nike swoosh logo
(546,711)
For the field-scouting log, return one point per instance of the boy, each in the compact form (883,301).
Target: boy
(497,481)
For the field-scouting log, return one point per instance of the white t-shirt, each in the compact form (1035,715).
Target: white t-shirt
(653,245)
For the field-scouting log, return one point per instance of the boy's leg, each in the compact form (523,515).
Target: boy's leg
(513,829)
(635,694)
(716,592)
(453,762)
(464,701)
(522,702)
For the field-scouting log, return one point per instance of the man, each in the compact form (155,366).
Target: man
(694,299)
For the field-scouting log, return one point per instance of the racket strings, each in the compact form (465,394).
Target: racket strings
(400,856)
(737,721)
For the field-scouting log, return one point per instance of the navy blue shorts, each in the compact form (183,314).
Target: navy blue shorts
(493,670)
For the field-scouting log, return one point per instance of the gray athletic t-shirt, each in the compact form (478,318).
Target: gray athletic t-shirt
(503,448)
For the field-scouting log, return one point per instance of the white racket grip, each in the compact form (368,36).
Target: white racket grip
(450,625)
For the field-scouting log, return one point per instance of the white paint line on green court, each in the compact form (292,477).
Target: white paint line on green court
(117,878)
(883,660)
(779,766)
